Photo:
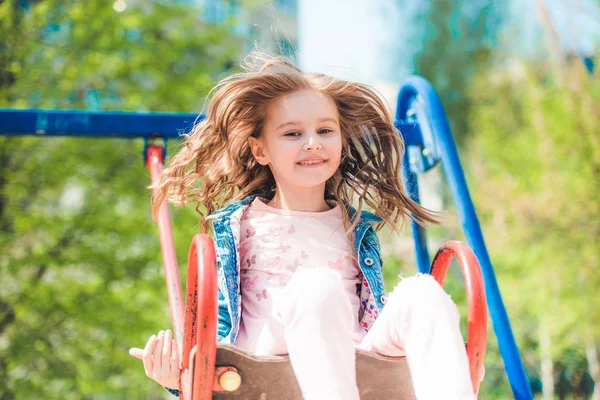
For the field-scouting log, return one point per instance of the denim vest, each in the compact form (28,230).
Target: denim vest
(226,223)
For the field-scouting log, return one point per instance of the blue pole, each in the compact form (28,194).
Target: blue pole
(108,124)
(418,89)
(418,232)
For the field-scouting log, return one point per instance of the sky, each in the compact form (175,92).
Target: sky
(345,39)
(354,39)
(350,40)
(577,21)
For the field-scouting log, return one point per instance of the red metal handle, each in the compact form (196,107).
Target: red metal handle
(200,321)
(154,164)
(477,330)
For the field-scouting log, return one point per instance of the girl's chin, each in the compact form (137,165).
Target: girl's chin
(305,183)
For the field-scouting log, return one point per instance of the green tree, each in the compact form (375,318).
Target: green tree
(80,263)
(56,52)
(534,172)
(458,41)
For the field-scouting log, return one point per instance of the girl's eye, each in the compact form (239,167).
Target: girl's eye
(321,132)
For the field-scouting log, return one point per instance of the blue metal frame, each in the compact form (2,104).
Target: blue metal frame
(418,232)
(107,124)
(418,100)
(110,124)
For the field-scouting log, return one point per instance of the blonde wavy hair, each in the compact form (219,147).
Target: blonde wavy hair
(215,166)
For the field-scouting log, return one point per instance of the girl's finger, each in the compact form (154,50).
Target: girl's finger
(157,352)
(166,351)
(174,356)
(147,355)
(176,353)
(137,353)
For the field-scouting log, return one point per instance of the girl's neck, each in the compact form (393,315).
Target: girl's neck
(301,199)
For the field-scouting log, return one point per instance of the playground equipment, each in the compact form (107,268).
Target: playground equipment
(221,371)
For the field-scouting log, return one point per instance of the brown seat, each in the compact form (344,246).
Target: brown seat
(272,377)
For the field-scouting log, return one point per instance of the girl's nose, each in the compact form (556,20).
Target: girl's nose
(313,142)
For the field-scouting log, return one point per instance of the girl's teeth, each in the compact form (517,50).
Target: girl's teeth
(311,162)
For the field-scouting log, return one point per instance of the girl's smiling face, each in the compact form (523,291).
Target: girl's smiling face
(301,141)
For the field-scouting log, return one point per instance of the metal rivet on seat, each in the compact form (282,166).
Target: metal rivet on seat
(230,381)
(369,261)
(383,299)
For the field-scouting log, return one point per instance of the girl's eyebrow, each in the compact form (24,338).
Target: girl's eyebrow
(299,123)
(329,119)
(287,123)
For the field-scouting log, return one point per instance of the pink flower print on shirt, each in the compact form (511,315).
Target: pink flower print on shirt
(294,266)
(276,279)
(250,233)
(275,264)
(263,295)
(250,283)
(275,231)
(284,248)
(291,229)
(250,261)
(272,235)
(336,265)
(303,254)
(245,249)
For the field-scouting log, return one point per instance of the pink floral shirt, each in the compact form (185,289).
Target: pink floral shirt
(274,244)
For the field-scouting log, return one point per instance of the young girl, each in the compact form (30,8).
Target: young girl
(277,164)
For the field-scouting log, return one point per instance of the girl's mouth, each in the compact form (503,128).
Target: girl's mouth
(312,163)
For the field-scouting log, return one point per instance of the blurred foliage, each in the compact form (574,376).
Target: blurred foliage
(458,41)
(535,175)
(148,57)
(80,262)
(527,134)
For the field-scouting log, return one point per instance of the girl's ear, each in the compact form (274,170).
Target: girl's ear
(257,150)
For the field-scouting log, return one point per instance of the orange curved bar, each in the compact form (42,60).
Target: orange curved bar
(477,329)
(200,321)
(154,163)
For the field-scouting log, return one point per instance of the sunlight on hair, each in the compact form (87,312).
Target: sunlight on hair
(216,165)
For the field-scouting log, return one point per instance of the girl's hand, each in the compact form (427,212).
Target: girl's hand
(161,359)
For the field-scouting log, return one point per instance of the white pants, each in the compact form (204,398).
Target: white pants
(420,321)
